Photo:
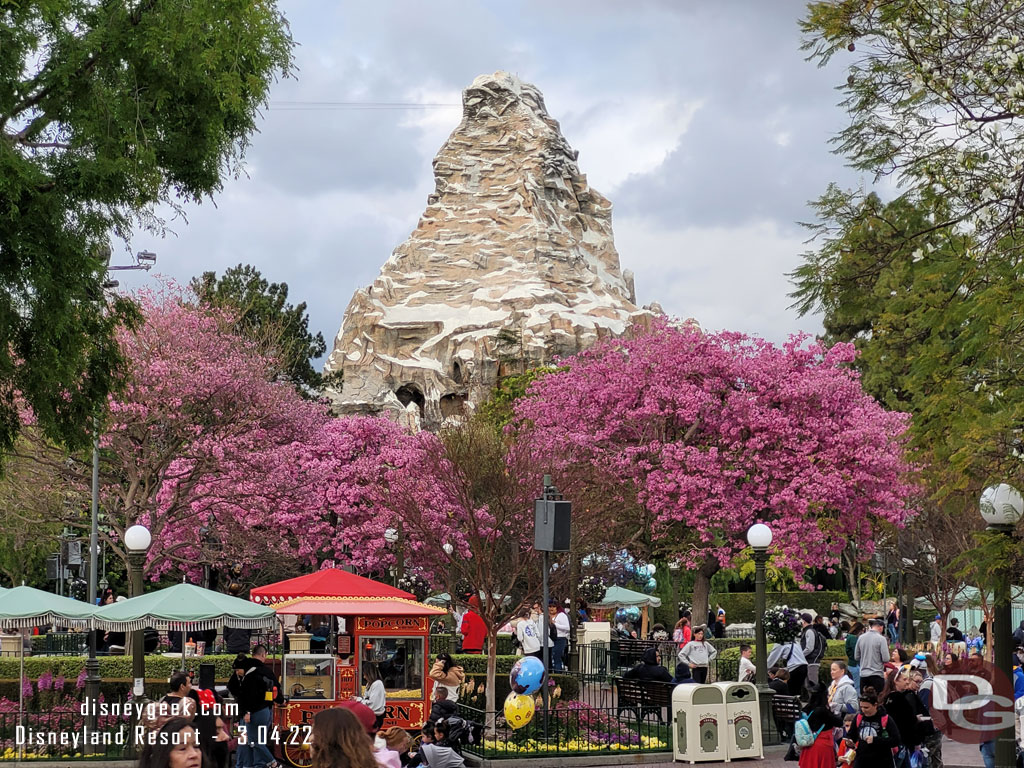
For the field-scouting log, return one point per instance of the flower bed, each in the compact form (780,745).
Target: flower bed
(574,728)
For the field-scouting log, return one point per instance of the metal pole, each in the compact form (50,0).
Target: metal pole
(136,562)
(764,693)
(399,558)
(546,653)
(1006,745)
(92,664)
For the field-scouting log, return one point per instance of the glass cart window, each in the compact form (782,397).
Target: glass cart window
(309,676)
(399,663)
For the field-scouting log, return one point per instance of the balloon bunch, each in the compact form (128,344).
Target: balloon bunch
(630,573)
(526,678)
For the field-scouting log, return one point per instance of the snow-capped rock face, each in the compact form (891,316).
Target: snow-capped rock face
(513,239)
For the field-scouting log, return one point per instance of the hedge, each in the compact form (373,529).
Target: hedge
(112,667)
(739,606)
(728,662)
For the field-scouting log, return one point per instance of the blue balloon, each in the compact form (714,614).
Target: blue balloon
(527,675)
(633,613)
(652,583)
(620,615)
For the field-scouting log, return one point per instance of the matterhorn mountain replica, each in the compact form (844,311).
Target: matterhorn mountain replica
(511,265)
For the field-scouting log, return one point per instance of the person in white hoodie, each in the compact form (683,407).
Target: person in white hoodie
(936,634)
(529,637)
(842,694)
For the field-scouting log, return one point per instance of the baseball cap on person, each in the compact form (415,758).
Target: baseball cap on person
(876,622)
(806,617)
(362,712)
(938,617)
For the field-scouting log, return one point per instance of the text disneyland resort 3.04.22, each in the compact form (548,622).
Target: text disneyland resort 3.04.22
(122,723)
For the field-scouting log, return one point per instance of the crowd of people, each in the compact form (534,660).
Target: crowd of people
(876,708)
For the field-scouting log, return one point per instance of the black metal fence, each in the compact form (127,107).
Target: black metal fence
(570,728)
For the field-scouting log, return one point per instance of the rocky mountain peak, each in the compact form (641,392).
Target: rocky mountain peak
(512,263)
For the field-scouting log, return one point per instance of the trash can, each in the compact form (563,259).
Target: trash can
(742,720)
(698,712)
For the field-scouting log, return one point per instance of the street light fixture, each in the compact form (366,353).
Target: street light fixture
(1002,507)
(143,260)
(137,540)
(759,537)
(394,536)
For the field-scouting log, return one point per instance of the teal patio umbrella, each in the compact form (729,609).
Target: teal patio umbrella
(23,606)
(183,607)
(617,597)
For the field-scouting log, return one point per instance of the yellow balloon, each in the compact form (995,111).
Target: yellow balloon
(519,710)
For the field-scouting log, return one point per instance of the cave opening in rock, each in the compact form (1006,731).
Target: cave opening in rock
(410,393)
(457,372)
(453,405)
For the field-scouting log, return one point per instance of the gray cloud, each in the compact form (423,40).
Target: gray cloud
(700,120)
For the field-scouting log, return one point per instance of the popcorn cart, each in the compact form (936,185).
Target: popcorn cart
(370,625)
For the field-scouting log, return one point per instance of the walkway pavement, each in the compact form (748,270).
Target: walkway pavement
(954,755)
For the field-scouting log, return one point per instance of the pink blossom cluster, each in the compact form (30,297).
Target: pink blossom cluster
(714,432)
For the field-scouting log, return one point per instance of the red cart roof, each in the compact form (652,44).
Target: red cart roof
(367,606)
(331,583)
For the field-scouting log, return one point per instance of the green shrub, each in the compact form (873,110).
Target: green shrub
(739,606)
(112,667)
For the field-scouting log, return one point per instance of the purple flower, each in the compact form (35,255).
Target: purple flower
(80,682)
(26,688)
(45,681)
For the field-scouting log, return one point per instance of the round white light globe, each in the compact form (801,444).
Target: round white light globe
(137,538)
(448,548)
(1001,505)
(759,536)
(391,535)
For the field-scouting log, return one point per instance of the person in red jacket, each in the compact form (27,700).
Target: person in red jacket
(473,630)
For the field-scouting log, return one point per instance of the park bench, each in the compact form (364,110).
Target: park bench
(786,711)
(643,698)
(628,652)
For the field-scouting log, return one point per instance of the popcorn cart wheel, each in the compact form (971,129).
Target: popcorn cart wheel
(296,749)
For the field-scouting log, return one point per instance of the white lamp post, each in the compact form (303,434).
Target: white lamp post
(1002,507)
(759,537)
(394,536)
(137,540)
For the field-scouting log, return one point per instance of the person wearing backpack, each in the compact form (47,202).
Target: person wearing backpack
(813,734)
(873,735)
(790,656)
(813,646)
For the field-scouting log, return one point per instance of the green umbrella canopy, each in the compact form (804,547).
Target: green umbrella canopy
(620,596)
(185,606)
(28,607)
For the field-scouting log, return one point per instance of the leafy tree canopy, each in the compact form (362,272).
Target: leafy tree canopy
(935,95)
(106,110)
(265,316)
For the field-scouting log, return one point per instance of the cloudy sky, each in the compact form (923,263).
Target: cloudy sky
(699,119)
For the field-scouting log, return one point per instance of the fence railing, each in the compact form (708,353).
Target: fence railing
(571,728)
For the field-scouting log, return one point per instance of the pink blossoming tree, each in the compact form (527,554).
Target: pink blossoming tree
(709,433)
(200,435)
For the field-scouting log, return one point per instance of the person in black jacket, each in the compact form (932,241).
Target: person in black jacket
(874,734)
(649,668)
(258,691)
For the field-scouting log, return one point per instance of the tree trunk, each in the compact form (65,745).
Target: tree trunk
(492,668)
(702,590)
(848,560)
